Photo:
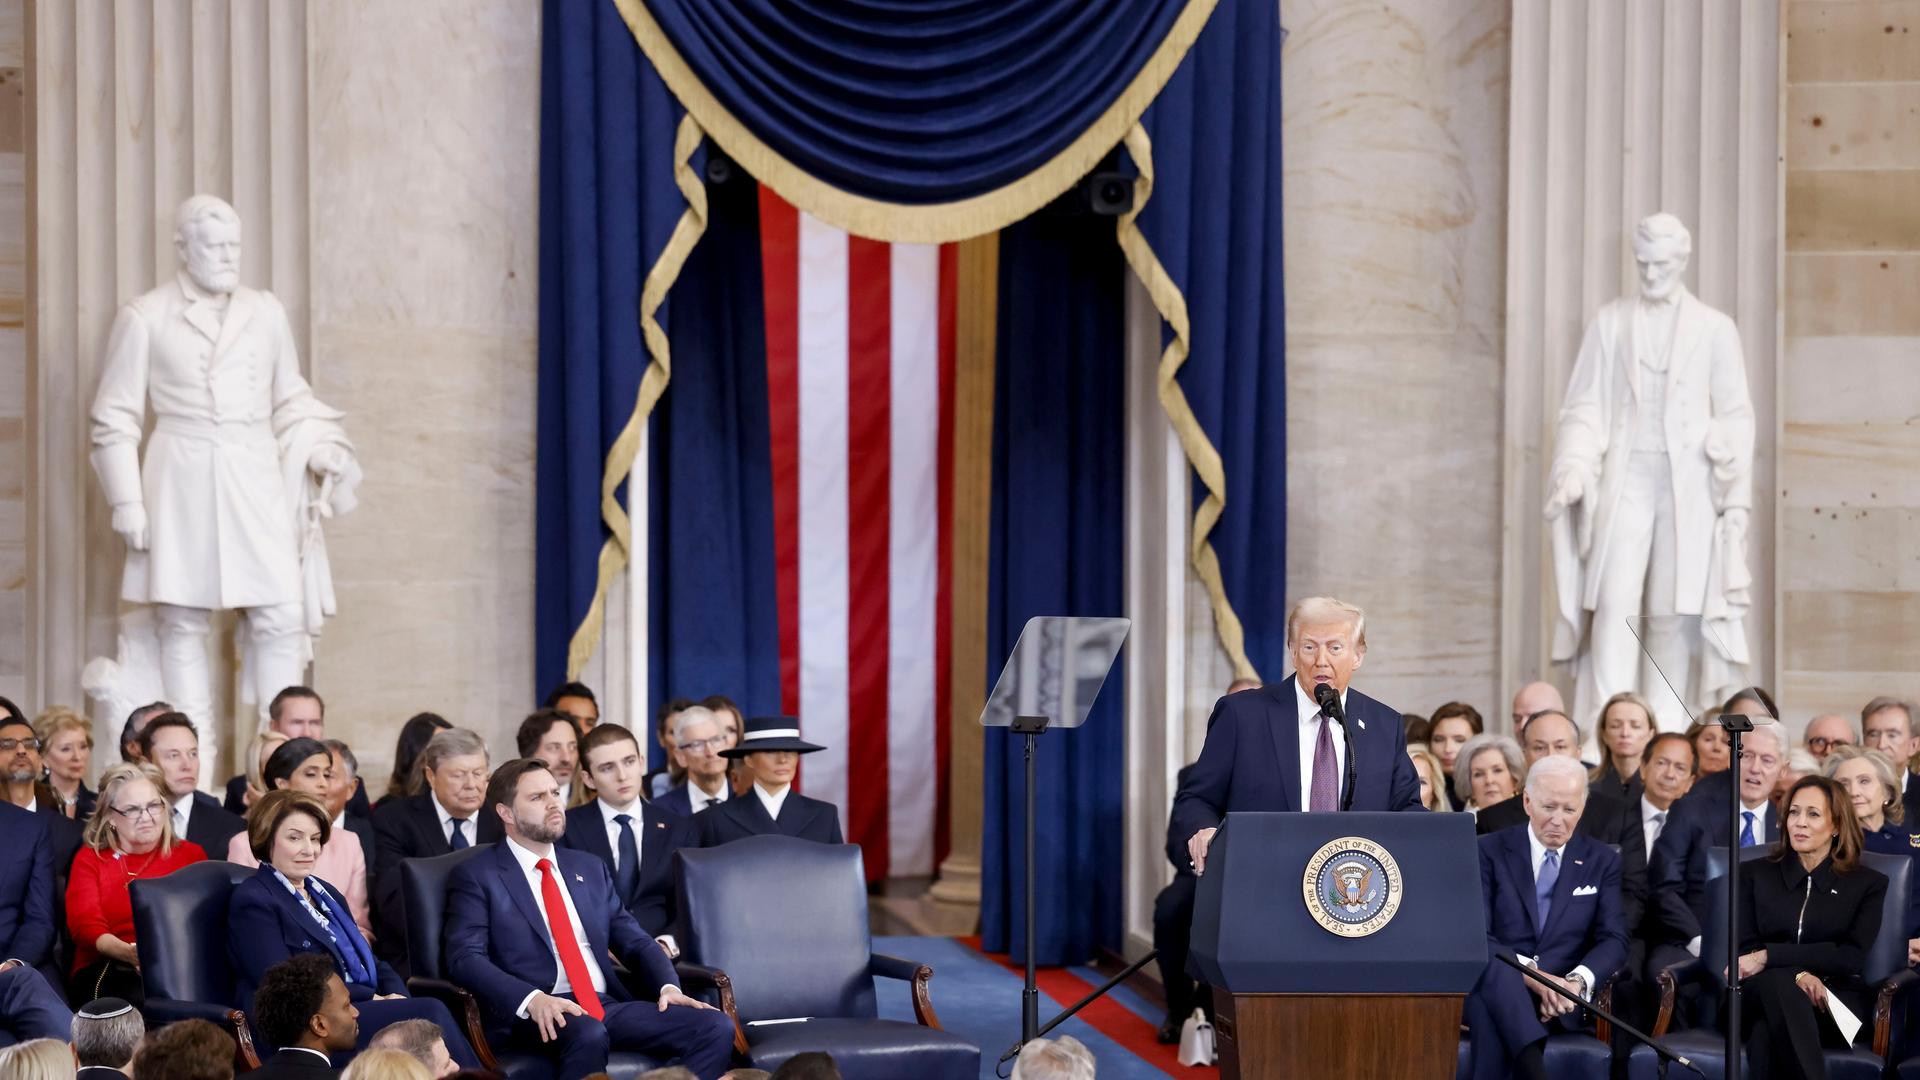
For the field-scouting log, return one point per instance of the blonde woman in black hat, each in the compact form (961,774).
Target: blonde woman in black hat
(770,748)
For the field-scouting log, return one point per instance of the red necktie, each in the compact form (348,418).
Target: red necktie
(561,928)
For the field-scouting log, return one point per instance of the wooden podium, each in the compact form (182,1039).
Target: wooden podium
(1340,945)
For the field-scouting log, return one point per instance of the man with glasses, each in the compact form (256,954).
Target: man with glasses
(20,765)
(28,879)
(635,840)
(172,744)
(1826,732)
(697,743)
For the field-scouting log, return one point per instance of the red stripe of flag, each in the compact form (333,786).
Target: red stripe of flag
(869,499)
(943,595)
(780,267)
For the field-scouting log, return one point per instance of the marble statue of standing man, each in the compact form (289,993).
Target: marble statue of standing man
(1651,490)
(242,464)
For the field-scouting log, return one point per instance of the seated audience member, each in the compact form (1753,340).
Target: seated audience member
(1808,914)
(105,1035)
(186,1050)
(445,816)
(1487,771)
(405,779)
(673,1072)
(298,713)
(1448,730)
(749,1074)
(1062,1058)
(420,1040)
(346,780)
(729,717)
(30,1007)
(1417,728)
(1826,732)
(1535,697)
(1677,866)
(636,840)
(771,750)
(662,780)
(1552,894)
(255,779)
(574,1010)
(129,838)
(20,767)
(697,744)
(306,1017)
(66,750)
(29,883)
(1173,934)
(1665,774)
(1872,783)
(1800,762)
(554,737)
(1626,724)
(812,1065)
(385,1065)
(1886,725)
(1710,747)
(288,909)
(1550,733)
(1433,789)
(130,749)
(171,744)
(305,766)
(577,701)
(37,1059)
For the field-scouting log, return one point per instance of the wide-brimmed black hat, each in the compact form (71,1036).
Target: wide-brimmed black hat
(771,733)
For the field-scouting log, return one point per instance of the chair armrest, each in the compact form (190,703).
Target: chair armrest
(160,1012)
(1603,997)
(465,1009)
(1883,1008)
(892,967)
(699,976)
(1669,979)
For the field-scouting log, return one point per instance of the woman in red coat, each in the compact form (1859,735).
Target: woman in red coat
(129,837)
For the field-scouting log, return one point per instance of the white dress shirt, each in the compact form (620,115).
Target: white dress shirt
(1309,710)
(182,815)
(1649,827)
(772,800)
(1539,853)
(471,828)
(608,812)
(700,800)
(535,881)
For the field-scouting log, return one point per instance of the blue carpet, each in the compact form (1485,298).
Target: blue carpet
(979,1001)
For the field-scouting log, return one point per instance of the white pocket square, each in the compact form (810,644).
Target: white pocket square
(1586,890)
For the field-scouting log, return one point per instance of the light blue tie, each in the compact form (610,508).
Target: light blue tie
(1543,887)
(1746,830)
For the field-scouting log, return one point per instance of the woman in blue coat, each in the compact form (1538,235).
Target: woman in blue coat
(283,910)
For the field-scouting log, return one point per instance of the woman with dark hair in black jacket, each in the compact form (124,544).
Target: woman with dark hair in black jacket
(1808,915)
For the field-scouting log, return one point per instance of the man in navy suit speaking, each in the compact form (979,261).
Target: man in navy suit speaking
(1276,748)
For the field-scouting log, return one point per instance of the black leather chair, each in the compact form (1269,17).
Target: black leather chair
(423,890)
(779,927)
(180,930)
(1886,967)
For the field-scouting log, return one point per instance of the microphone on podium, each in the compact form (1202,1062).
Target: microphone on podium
(1329,700)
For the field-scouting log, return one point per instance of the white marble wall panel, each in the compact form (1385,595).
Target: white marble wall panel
(13,351)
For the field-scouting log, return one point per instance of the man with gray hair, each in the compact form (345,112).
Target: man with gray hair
(1886,724)
(1286,745)
(1064,1058)
(1553,902)
(1552,733)
(1677,867)
(105,1034)
(695,741)
(443,818)
(420,1040)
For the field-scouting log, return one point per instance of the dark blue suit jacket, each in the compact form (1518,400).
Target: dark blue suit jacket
(1584,925)
(745,815)
(1677,866)
(1251,759)
(266,925)
(498,944)
(659,834)
(676,802)
(26,886)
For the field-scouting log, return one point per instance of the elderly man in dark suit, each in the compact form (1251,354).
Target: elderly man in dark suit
(446,817)
(771,747)
(531,929)
(1276,748)
(1677,866)
(1553,900)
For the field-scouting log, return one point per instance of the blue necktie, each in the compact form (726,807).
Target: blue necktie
(1746,830)
(626,876)
(1543,888)
(460,834)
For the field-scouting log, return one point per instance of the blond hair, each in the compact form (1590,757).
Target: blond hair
(1322,609)
(386,1065)
(37,1059)
(1883,767)
(100,834)
(1421,753)
(58,719)
(264,744)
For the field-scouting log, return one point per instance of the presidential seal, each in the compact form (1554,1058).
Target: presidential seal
(1352,886)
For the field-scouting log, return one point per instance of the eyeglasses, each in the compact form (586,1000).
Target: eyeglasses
(1818,744)
(7,746)
(717,742)
(152,811)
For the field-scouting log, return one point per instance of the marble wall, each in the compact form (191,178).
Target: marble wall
(1849,487)
(13,350)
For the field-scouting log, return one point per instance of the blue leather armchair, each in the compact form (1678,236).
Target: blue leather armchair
(180,930)
(778,926)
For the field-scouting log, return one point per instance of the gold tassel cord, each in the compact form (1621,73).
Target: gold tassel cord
(617,551)
(1200,451)
(935,223)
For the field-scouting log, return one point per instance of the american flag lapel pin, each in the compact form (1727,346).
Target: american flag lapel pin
(1363,725)
(579,879)
(1577,862)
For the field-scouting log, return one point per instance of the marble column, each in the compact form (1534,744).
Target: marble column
(1621,108)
